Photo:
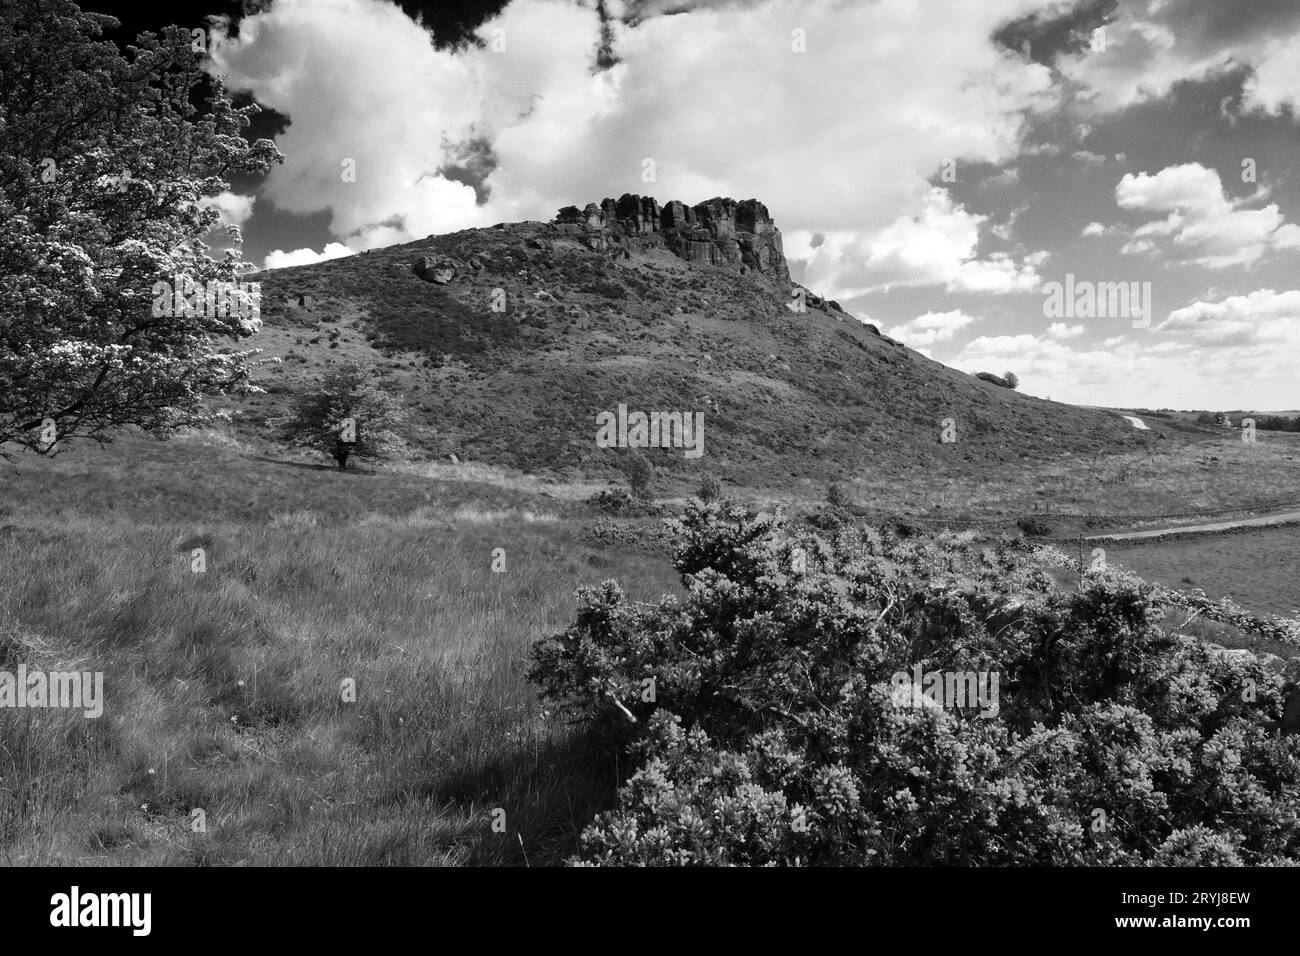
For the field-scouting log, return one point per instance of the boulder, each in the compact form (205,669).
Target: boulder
(439,271)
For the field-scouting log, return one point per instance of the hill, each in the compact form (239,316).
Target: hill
(507,342)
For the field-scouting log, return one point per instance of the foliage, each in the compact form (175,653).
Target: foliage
(771,735)
(346,416)
(106,175)
(639,474)
(837,497)
(1011,379)
(608,289)
(1034,527)
(997,380)
(710,489)
(1278,423)
(650,539)
(617,501)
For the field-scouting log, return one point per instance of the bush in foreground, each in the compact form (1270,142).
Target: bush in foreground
(771,726)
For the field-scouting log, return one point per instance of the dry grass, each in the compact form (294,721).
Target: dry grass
(223,687)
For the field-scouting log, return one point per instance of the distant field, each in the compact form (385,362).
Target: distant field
(1213,473)
(1260,570)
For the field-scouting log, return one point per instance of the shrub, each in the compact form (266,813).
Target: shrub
(617,501)
(837,497)
(610,290)
(654,539)
(710,489)
(1034,527)
(995,379)
(639,474)
(767,732)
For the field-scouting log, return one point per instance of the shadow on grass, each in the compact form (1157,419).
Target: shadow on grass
(549,795)
(314,466)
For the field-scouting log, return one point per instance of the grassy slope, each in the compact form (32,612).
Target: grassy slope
(787,398)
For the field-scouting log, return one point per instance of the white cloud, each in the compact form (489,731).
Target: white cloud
(279,259)
(1262,317)
(360,80)
(1059,330)
(1275,84)
(1207,228)
(925,330)
(233,208)
(1235,353)
(1094,229)
(935,247)
(1153,44)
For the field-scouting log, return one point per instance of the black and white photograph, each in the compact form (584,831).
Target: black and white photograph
(851,435)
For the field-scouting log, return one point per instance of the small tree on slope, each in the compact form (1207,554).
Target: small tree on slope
(345,417)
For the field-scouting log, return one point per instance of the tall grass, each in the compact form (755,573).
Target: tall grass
(223,691)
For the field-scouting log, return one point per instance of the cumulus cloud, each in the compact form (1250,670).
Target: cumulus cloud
(233,208)
(1123,371)
(937,246)
(279,259)
(1206,227)
(925,330)
(1261,318)
(1248,342)
(1149,47)
(1275,84)
(360,81)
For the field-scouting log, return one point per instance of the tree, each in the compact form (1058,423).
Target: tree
(111,311)
(1012,380)
(345,417)
(837,497)
(710,489)
(639,473)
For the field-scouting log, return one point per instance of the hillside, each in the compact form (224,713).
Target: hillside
(670,309)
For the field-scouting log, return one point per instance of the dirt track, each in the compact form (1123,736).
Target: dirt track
(1263,521)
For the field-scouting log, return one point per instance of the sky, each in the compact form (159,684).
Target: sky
(938,167)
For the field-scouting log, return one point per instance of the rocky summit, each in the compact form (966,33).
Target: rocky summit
(719,231)
(505,344)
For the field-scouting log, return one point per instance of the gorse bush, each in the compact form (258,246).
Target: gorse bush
(766,730)
(619,502)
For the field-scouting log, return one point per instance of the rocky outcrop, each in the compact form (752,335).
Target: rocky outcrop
(717,232)
(439,271)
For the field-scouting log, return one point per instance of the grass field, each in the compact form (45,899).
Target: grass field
(223,687)
(1255,569)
